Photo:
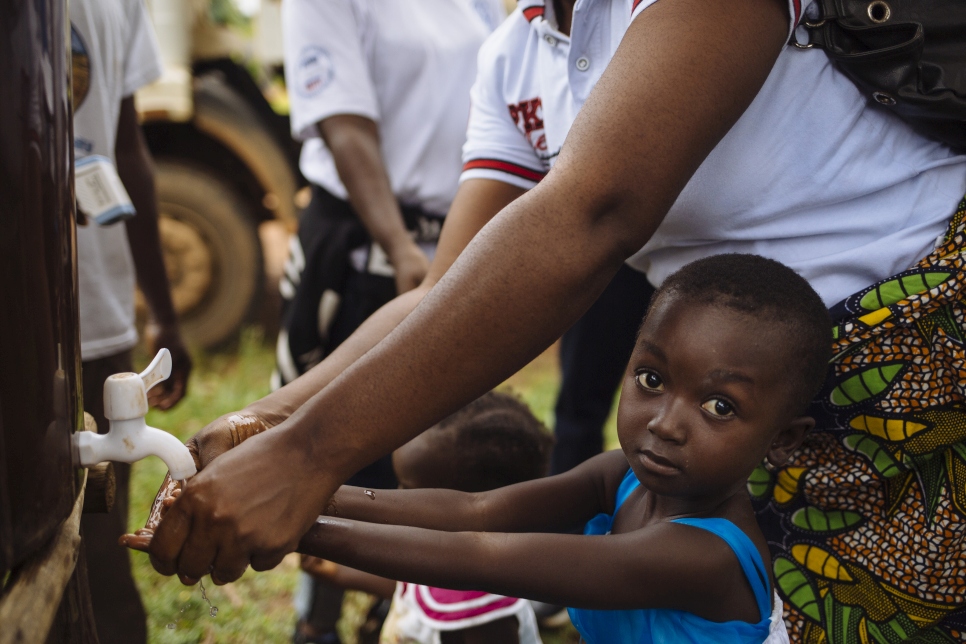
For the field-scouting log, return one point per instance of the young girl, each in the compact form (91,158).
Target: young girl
(727,358)
(492,442)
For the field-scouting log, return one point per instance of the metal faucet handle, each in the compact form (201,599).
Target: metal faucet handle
(158,370)
(126,394)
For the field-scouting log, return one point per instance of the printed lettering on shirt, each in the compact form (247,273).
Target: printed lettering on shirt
(314,71)
(528,115)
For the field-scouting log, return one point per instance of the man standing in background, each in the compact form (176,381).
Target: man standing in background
(114,52)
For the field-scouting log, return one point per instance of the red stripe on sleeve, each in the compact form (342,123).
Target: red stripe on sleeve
(532,12)
(504,166)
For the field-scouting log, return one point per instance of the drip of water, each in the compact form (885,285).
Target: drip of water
(172,626)
(212,610)
(370,494)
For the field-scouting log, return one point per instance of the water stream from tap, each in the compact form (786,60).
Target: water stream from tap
(212,609)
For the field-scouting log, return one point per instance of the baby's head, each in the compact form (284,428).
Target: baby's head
(492,442)
(728,357)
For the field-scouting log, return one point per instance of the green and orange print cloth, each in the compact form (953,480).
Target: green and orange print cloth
(867,523)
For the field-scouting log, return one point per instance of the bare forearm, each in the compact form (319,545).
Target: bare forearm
(135,169)
(354,143)
(458,560)
(570,570)
(280,404)
(477,201)
(532,506)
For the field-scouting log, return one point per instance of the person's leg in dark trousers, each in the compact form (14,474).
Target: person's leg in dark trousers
(593,355)
(118,611)
(364,295)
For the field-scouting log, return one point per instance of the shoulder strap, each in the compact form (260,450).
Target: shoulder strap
(748,557)
(628,485)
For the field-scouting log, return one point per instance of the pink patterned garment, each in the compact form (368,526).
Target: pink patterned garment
(420,613)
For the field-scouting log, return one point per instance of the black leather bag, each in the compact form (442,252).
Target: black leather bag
(909,56)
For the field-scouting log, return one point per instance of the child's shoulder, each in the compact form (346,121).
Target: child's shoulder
(607,471)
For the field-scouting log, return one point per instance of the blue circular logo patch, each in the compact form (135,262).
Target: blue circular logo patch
(314,71)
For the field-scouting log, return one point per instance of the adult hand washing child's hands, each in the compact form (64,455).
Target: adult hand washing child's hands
(215,439)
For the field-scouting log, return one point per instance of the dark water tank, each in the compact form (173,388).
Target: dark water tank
(40,402)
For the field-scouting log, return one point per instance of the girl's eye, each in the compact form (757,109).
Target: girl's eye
(719,407)
(650,381)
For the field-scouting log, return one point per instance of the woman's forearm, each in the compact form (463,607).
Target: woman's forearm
(280,404)
(476,202)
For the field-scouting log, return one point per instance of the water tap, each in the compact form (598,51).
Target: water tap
(129,438)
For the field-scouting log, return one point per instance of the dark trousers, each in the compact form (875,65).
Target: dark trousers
(362,294)
(593,355)
(118,611)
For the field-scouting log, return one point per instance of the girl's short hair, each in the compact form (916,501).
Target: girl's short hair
(773,292)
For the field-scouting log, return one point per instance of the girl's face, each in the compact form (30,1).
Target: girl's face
(706,396)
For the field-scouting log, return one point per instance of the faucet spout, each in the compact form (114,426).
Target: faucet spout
(131,440)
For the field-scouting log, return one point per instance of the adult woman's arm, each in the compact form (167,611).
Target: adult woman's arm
(681,77)
(476,202)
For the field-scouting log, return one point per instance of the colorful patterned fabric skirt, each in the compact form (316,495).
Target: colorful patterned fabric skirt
(867,522)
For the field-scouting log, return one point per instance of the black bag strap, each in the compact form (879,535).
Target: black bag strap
(908,56)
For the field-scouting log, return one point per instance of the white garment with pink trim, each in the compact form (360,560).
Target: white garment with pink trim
(420,613)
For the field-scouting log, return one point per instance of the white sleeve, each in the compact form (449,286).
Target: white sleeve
(142,59)
(795,10)
(492,12)
(325,63)
(495,147)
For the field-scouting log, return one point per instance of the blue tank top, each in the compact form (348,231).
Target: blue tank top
(663,626)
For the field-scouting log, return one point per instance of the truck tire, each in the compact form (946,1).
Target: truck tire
(223,114)
(211,250)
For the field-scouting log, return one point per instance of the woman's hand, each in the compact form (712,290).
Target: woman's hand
(214,440)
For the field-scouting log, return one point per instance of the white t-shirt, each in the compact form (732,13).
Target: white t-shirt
(114,52)
(419,614)
(406,64)
(811,175)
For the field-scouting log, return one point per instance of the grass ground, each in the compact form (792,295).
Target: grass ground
(258,607)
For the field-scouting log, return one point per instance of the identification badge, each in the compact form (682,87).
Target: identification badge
(100,193)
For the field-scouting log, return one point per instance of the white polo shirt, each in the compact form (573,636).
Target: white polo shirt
(406,64)
(811,175)
(114,53)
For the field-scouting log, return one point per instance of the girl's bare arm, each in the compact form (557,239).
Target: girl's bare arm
(662,566)
(555,503)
